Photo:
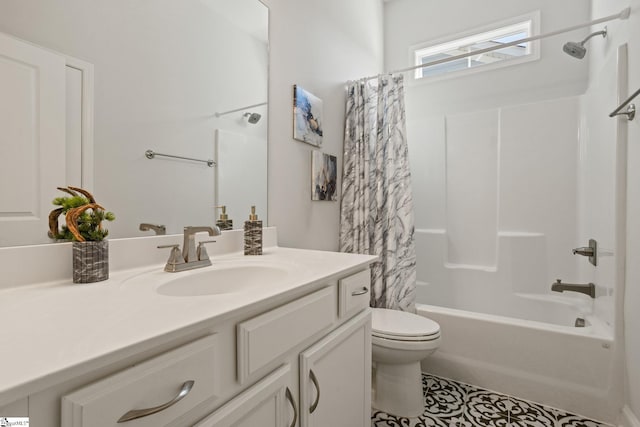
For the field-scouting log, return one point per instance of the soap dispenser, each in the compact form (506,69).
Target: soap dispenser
(253,234)
(224,223)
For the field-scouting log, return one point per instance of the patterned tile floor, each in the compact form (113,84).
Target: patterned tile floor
(452,404)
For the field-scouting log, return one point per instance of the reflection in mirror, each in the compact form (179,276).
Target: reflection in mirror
(155,73)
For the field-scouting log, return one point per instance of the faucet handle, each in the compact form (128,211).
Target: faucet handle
(177,245)
(202,251)
(590,251)
(175,257)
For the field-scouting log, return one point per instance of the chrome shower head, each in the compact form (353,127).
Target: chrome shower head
(577,50)
(253,117)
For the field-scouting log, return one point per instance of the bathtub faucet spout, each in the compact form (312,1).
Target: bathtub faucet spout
(587,288)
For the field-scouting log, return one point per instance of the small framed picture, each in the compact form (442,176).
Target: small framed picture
(307,117)
(324,176)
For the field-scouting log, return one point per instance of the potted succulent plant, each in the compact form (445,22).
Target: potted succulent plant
(83,217)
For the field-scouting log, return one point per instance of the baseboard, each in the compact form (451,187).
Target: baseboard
(629,419)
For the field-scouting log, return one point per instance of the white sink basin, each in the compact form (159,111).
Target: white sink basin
(225,280)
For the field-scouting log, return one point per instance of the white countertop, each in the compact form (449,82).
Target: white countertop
(52,327)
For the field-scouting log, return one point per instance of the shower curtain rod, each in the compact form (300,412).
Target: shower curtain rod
(240,109)
(624,14)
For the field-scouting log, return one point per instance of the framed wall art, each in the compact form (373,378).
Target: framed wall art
(324,176)
(307,117)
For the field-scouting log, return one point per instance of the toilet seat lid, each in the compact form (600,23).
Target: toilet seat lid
(402,325)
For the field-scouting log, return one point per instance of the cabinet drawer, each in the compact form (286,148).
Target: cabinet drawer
(151,384)
(265,338)
(355,293)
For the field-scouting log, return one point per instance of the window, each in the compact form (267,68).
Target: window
(479,40)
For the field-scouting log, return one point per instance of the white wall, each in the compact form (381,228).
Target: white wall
(320,46)
(621,32)
(410,22)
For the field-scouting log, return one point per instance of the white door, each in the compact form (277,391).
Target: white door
(335,377)
(32,139)
(269,403)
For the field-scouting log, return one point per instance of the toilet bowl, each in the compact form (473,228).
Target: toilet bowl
(400,340)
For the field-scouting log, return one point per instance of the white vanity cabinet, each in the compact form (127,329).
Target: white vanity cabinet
(339,363)
(334,386)
(298,359)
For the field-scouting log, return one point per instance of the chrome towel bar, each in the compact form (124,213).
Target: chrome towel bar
(150,154)
(631,109)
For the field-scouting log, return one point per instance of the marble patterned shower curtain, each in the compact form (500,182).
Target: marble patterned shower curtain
(377,204)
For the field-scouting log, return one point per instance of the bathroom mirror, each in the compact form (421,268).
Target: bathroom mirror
(186,78)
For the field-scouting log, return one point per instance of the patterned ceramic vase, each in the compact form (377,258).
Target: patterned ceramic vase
(90,261)
(253,238)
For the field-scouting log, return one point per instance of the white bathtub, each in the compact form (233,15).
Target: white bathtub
(530,349)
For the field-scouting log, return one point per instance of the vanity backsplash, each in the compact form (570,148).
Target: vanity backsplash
(26,265)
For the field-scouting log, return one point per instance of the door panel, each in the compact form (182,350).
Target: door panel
(262,405)
(32,139)
(335,377)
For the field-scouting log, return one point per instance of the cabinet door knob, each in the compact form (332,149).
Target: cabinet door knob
(295,407)
(314,380)
(139,413)
(362,291)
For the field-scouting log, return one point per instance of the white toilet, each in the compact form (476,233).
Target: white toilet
(400,340)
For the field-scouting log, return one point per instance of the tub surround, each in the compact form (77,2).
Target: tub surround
(500,290)
(527,246)
(57,327)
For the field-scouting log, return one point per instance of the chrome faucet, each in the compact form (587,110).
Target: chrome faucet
(190,257)
(587,288)
(157,228)
(189,252)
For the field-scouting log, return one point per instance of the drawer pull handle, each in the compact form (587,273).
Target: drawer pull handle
(363,291)
(314,380)
(295,407)
(139,413)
